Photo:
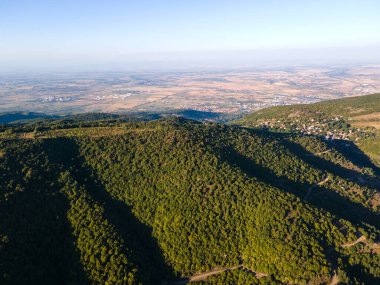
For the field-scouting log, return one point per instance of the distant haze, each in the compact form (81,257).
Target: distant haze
(127,35)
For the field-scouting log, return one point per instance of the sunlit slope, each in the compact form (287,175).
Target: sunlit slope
(351,107)
(356,119)
(147,202)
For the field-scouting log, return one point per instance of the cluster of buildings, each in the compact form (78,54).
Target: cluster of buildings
(50,99)
(331,129)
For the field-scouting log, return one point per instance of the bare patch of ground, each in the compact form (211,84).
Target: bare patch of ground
(363,124)
(295,114)
(334,280)
(367,117)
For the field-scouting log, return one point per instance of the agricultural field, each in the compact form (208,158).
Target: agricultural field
(229,91)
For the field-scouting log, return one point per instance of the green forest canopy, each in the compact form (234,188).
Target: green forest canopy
(108,202)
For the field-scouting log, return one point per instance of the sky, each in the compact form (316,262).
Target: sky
(42,34)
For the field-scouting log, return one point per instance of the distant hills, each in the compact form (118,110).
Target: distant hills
(30,118)
(351,109)
(96,199)
(6,118)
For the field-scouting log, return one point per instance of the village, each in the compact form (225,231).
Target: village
(334,128)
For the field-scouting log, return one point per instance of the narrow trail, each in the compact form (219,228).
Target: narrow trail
(319,153)
(361,239)
(374,247)
(333,281)
(320,183)
(205,275)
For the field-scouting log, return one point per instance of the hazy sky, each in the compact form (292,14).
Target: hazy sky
(63,33)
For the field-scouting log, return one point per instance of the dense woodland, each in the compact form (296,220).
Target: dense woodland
(112,202)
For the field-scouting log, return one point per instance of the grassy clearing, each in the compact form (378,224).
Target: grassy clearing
(371,147)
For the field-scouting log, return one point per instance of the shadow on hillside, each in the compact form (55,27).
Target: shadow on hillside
(320,196)
(348,149)
(351,152)
(36,242)
(146,253)
(360,272)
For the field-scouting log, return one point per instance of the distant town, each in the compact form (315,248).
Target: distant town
(231,92)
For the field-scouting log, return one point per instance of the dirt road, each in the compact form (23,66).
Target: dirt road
(361,239)
(315,185)
(216,271)
(374,247)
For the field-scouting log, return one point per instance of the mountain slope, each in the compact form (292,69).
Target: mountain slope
(134,203)
(346,107)
(355,119)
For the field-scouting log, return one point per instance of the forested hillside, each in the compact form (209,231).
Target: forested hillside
(354,119)
(109,202)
